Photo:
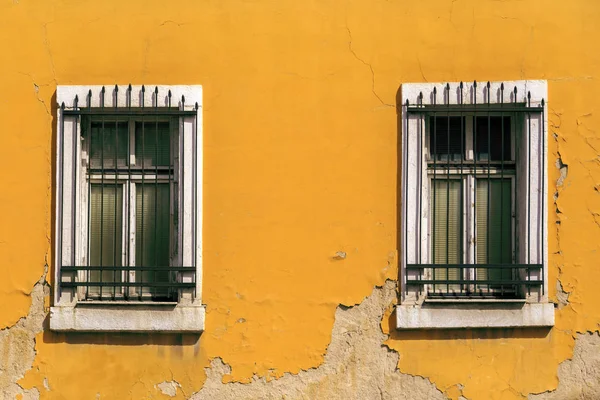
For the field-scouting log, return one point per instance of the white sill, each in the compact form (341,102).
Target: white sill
(128,318)
(474,314)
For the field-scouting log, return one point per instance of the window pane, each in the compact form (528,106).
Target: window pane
(494,235)
(109,143)
(446,141)
(447,230)
(106,221)
(152,144)
(495,138)
(152,233)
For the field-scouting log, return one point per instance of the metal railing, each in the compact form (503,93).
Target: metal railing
(163,283)
(518,282)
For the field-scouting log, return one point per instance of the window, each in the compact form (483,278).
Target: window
(129,207)
(474,205)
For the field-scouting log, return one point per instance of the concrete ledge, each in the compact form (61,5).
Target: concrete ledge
(476,315)
(131,318)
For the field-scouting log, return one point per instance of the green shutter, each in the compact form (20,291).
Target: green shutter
(497,232)
(152,231)
(447,233)
(106,221)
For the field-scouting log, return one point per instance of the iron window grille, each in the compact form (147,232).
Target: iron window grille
(127,217)
(477,230)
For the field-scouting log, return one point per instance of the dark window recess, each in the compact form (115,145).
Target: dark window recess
(152,144)
(109,141)
(492,128)
(446,141)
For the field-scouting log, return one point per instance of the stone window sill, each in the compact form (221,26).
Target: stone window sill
(473,314)
(128,318)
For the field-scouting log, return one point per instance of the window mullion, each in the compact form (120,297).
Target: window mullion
(132,233)
(131,211)
(470,226)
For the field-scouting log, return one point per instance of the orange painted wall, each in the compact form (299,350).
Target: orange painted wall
(300,161)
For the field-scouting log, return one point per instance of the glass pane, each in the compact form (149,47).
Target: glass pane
(152,144)
(152,233)
(106,221)
(109,141)
(447,233)
(446,142)
(494,244)
(496,124)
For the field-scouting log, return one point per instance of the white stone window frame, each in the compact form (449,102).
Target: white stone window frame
(68,312)
(415,311)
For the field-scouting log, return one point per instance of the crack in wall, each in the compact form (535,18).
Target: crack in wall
(49,51)
(368,65)
(357,364)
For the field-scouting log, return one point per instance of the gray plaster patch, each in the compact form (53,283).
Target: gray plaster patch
(168,388)
(579,377)
(357,365)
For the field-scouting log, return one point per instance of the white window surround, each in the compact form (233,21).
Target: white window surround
(66,313)
(417,312)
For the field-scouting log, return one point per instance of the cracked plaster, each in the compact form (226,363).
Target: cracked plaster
(268,344)
(356,365)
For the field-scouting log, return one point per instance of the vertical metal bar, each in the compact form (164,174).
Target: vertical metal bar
(516,184)
(528,191)
(489,186)
(102,198)
(62,186)
(143,172)
(129,150)
(501,174)
(543,178)
(182,177)
(171,214)
(405,190)
(75,183)
(448,190)
(155,185)
(434,133)
(420,169)
(195,186)
(502,183)
(116,190)
(475,181)
(462,156)
(89,198)
(489,183)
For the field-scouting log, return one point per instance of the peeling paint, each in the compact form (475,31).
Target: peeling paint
(298,167)
(169,388)
(357,364)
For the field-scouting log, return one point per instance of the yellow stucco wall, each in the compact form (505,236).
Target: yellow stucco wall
(300,161)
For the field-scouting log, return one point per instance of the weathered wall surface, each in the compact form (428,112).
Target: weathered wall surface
(300,162)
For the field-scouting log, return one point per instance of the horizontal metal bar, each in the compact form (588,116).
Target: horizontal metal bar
(120,299)
(108,111)
(440,163)
(472,282)
(126,268)
(136,169)
(469,266)
(469,108)
(177,285)
(473,296)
